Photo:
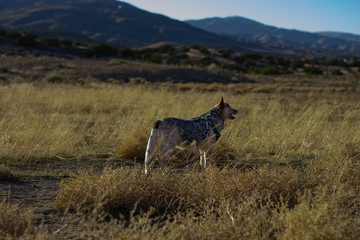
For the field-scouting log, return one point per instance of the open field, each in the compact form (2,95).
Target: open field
(288,167)
(75,118)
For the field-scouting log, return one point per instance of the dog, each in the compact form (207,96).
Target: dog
(204,130)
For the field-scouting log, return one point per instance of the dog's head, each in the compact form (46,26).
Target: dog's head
(226,111)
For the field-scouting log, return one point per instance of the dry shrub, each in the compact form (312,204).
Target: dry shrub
(121,189)
(314,218)
(14,221)
(133,145)
(318,202)
(320,214)
(266,203)
(243,222)
(223,154)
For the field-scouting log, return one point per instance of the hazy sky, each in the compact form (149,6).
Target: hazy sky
(308,15)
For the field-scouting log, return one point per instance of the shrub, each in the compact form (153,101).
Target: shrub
(124,188)
(238,59)
(27,40)
(153,58)
(128,53)
(66,42)
(206,61)
(334,62)
(14,221)
(226,53)
(133,146)
(194,46)
(276,60)
(269,70)
(251,55)
(166,49)
(337,72)
(51,42)
(100,50)
(204,51)
(232,67)
(313,71)
(296,63)
(11,34)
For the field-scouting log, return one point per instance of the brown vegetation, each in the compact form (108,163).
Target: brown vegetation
(287,167)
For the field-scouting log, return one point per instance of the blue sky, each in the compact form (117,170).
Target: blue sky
(307,15)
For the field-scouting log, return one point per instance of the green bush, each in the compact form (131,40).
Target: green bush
(269,70)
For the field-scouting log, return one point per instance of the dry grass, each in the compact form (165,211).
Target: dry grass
(6,174)
(290,163)
(123,188)
(266,203)
(14,222)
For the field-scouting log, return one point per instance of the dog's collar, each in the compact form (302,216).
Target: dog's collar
(212,126)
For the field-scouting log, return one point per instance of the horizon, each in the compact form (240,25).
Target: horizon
(311,16)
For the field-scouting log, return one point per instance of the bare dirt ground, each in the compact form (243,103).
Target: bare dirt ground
(37,186)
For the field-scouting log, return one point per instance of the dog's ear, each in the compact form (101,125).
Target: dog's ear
(221,104)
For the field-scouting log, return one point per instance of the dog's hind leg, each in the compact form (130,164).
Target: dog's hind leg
(150,149)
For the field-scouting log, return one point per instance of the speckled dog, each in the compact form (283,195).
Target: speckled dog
(172,132)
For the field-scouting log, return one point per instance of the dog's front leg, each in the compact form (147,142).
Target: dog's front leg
(202,157)
(203,160)
(205,153)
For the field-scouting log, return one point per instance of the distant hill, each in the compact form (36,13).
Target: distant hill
(123,25)
(110,21)
(250,30)
(345,36)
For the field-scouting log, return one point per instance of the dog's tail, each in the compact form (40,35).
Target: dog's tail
(151,145)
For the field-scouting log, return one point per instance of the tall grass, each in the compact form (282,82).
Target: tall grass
(290,163)
(65,120)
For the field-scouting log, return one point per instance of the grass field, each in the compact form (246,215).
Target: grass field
(288,167)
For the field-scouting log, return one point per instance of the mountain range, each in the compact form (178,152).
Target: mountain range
(123,25)
(246,29)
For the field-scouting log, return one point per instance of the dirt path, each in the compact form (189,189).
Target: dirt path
(38,192)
